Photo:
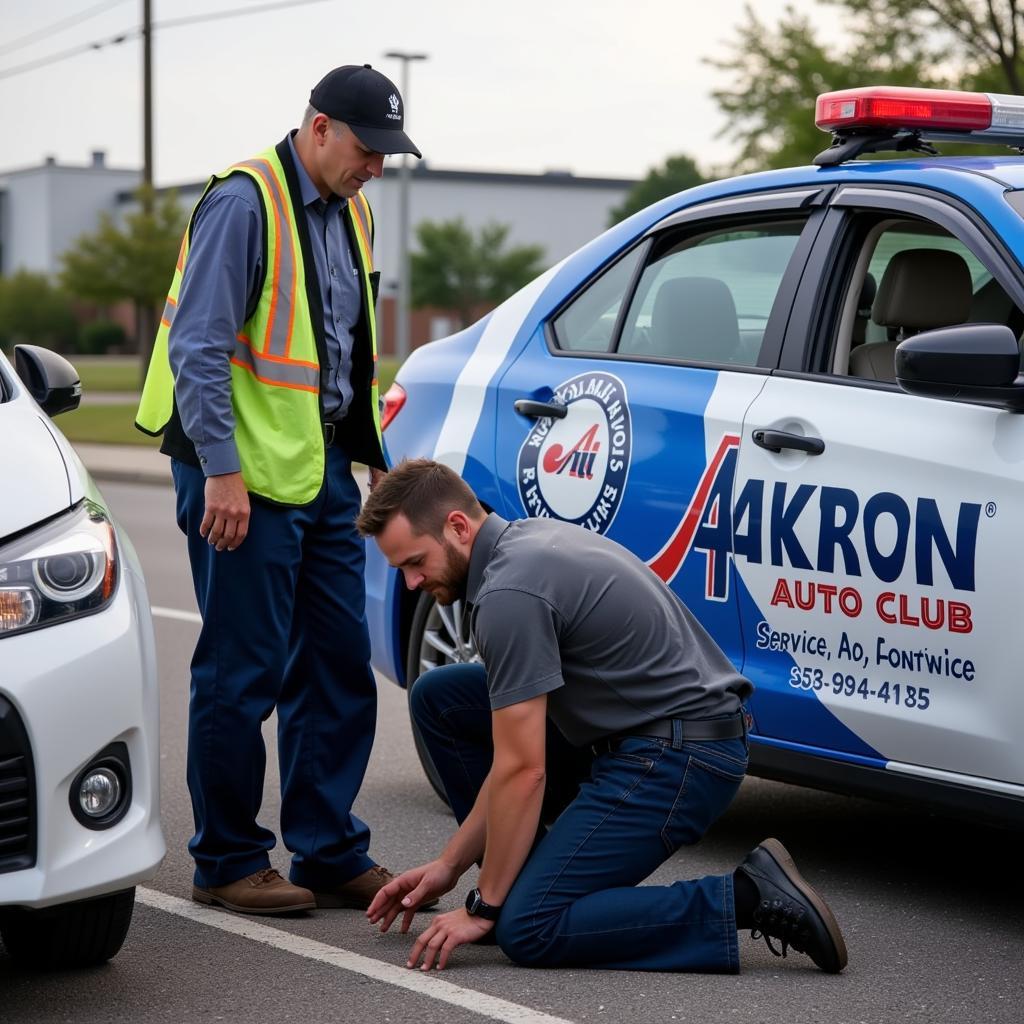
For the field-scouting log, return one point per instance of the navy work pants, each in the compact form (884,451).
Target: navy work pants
(284,627)
(577,901)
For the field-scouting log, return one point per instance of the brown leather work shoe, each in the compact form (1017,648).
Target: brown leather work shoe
(358,893)
(263,892)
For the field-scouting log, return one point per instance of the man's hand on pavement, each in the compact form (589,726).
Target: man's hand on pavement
(445,933)
(226,521)
(408,891)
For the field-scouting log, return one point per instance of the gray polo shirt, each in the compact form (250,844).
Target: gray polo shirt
(561,610)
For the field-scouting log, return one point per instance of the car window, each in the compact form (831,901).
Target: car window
(587,324)
(707,298)
(918,277)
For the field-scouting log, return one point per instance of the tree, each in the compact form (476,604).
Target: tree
(980,39)
(455,269)
(777,74)
(678,173)
(132,263)
(33,310)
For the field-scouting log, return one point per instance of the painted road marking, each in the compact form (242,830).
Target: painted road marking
(401,977)
(174,613)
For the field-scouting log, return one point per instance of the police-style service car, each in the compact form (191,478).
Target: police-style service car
(795,395)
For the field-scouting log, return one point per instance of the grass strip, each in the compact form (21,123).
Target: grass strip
(104,424)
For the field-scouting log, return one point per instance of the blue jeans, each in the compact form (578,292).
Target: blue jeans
(284,627)
(577,901)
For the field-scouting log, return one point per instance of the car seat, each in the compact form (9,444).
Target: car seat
(921,289)
(694,318)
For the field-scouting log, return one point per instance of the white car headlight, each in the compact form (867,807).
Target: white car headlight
(59,571)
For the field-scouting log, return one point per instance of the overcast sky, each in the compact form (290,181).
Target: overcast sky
(591,86)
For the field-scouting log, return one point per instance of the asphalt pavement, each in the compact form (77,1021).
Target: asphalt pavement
(930,907)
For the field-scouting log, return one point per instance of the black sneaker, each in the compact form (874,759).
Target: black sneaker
(789,910)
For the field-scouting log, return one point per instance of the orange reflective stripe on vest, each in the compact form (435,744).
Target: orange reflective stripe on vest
(169,308)
(271,369)
(360,210)
(278,338)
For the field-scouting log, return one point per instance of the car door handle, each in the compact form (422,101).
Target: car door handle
(528,407)
(776,440)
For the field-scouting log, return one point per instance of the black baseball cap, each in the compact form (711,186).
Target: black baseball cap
(368,103)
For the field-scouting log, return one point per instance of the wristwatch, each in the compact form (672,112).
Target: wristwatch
(476,907)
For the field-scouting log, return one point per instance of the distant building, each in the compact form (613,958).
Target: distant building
(44,208)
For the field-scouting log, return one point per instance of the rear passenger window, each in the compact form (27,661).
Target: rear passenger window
(707,298)
(587,324)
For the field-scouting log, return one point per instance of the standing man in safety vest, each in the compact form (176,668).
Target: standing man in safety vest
(264,385)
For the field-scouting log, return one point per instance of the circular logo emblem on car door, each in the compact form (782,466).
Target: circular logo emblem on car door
(575,468)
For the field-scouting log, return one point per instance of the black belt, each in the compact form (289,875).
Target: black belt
(683,730)
(331,432)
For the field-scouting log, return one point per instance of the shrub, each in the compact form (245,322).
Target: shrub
(33,310)
(97,339)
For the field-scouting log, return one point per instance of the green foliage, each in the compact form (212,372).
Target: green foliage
(33,310)
(457,270)
(135,262)
(679,172)
(100,337)
(777,73)
(978,42)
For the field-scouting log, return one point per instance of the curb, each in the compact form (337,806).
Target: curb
(108,474)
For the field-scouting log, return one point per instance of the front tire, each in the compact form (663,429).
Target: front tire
(81,934)
(439,635)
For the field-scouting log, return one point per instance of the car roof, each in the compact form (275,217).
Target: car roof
(1000,173)
(979,181)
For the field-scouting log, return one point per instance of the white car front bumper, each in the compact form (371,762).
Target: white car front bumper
(79,687)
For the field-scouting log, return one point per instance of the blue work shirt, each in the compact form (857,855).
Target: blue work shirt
(221,282)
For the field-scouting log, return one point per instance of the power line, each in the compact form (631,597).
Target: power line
(58,26)
(134,33)
(65,54)
(218,15)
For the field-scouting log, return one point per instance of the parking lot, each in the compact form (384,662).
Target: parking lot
(930,906)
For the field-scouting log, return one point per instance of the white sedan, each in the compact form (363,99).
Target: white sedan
(79,737)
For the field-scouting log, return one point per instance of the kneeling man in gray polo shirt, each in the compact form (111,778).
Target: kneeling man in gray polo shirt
(587,657)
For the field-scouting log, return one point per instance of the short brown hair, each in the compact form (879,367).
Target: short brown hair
(424,492)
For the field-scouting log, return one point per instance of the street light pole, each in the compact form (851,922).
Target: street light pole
(145,314)
(404,272)
(147,92)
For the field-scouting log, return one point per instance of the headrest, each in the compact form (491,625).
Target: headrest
(923,288)
(868,290)
(695,318)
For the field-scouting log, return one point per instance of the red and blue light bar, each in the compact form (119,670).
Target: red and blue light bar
(933,113)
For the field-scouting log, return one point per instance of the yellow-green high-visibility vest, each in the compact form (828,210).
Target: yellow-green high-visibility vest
(275,368)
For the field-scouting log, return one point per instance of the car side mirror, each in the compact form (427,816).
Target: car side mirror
(51,380)
(977,363)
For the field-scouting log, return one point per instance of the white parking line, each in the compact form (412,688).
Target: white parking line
(174,613)
(402,977)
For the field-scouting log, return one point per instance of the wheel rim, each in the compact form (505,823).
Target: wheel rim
(447,639)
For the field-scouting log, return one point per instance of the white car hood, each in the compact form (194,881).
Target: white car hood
(33,474)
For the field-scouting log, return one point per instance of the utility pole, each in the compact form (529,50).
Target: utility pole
(147,93)
(404,271)
(145,314)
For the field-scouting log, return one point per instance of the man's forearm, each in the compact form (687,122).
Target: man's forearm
(466,847)
(515,796)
